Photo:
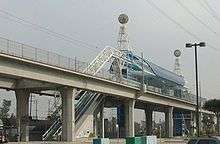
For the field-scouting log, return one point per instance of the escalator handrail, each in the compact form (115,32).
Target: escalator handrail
(85,106)
(45,135)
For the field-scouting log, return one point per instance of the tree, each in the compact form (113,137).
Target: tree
(214,106)
(209,123)
(4,111)
(5,108)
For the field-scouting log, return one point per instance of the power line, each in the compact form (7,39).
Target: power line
(177,23)
(49,34)
(171,19)
(47,30)
(207,10)
(197,18)
(44,28)
(204,7)
(212,11)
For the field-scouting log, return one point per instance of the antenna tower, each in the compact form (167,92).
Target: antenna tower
(123,40)
(122,45)
(177,69)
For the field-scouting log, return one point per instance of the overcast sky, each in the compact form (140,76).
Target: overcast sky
(95,22)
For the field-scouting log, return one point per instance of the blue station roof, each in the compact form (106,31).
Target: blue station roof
(166,74)
(157,70)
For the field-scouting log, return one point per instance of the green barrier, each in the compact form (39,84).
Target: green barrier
(101,141)
(143,139)
(133,140)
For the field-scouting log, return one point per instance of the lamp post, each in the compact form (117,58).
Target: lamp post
(195,45)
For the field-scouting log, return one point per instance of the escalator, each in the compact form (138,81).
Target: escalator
(86,104)
(87,101)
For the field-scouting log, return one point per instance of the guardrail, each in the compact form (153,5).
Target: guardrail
(24,51)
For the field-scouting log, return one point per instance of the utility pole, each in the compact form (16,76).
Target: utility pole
(189,45)
(200,94)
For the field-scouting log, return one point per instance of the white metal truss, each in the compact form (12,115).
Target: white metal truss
(104,56)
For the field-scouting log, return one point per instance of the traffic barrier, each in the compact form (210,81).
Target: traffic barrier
(133,140)
(148,140)
(101,141)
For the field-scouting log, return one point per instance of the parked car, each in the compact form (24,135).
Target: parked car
(209,140)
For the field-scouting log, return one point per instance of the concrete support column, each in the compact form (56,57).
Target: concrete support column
(195,130)
(22,105)
(129,118)
(149,121)
(169,122)
(193,124)
(68,114)
(102,122)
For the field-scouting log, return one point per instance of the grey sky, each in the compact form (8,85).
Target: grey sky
(95,22)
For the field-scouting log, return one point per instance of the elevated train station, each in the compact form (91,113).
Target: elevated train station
(130,82)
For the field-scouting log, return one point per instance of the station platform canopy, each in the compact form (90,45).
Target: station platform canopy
(158,71)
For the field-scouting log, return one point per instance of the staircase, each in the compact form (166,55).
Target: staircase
(88,101)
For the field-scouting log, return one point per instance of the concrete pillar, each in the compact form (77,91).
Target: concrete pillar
(169,122)
(149,121)
(193,124)
(68,114)
(102,122)
(22,105)
(129,118)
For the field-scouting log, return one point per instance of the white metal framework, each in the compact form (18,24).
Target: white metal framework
(104,56)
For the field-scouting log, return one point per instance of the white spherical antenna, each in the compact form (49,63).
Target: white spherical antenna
(123,18)
(177,53)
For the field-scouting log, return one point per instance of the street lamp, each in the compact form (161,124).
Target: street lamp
(189,45)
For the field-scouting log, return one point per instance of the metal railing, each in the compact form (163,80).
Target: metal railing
(24,51)
(39,55)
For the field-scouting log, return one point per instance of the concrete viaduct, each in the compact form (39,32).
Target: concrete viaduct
(26,76)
